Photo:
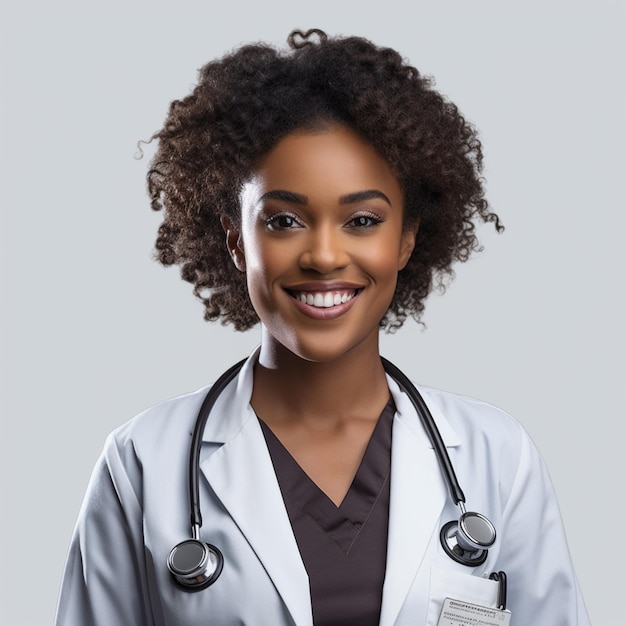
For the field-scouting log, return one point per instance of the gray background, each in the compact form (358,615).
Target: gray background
(94,331)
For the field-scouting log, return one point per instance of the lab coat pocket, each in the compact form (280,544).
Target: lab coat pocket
(448,583)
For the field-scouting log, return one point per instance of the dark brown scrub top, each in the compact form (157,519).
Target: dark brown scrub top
(344,549)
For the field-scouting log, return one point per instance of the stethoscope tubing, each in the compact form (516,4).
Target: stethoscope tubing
(196,441)
(428,422)
(195,564)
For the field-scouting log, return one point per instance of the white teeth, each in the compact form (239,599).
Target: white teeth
(325,299)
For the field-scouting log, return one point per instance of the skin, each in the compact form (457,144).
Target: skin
(321,216)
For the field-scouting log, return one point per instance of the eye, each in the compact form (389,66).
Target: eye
(282,221)
(364,220)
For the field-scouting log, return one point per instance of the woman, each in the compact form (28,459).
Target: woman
(323,192)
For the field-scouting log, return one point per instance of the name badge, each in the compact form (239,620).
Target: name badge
(458,613)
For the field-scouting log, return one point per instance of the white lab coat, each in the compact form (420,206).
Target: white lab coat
(136,509)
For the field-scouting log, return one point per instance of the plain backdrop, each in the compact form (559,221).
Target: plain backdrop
(95,331)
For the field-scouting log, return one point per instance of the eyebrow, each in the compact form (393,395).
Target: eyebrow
(350,198)
(359,196)
(286,196)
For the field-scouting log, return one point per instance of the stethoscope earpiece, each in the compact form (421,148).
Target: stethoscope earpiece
(194,564)
(468,540)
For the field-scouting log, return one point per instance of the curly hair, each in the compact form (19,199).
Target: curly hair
(247,101)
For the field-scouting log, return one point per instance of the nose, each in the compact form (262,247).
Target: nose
(324,251)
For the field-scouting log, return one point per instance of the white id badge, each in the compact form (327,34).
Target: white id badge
(458,613)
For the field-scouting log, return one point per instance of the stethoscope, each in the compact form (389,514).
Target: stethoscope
(195,564)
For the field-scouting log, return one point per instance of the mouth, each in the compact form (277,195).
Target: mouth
(324,299)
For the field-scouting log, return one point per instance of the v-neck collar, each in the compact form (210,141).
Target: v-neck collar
(341,523)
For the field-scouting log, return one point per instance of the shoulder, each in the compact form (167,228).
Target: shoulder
(470,425)
(162,427)
(484,439)
(471,418)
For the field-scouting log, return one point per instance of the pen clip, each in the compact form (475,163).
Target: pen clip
(500,578)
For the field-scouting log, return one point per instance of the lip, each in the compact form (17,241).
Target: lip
(324,285)
(324,313)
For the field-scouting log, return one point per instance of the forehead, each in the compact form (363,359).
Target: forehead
(335,157)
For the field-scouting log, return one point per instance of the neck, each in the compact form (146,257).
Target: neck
(290,388)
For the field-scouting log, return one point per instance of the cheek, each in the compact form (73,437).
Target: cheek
(383,259)
(266,264)
(265,259)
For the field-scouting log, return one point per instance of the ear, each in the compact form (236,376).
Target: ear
(407,244)
(234,243)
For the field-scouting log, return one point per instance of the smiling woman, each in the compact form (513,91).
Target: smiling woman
(245,103)
(322,192)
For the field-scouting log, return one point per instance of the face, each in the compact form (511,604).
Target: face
(321,242)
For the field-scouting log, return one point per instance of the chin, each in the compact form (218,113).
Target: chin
(322,347)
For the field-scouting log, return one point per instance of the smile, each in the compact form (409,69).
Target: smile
(324,299)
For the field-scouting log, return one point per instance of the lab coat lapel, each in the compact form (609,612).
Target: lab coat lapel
(242,476)
(418,494)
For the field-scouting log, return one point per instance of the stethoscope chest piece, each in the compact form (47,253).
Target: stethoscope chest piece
(468,540)
(194,564)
